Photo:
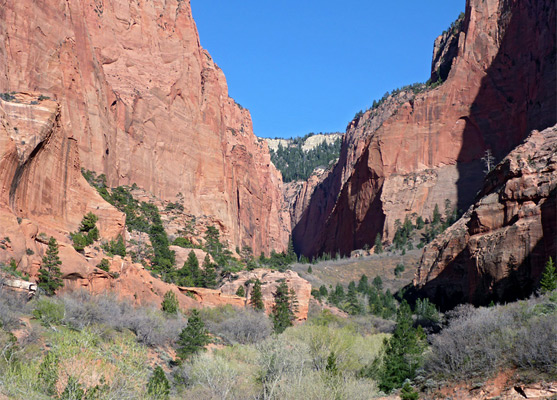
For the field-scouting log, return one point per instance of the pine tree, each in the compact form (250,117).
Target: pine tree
(378,245)
(363,284)
(402,351)
(193,338)
(170,303)
(548,282)
(209,273)
(256,298)
(189,274)
(294,305)
(241,291)
(158,386)
(282,314)
(50,277)
(290,254)
(353,306)
(436,215)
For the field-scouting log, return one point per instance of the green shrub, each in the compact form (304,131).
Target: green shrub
(158,386)
(170,303)
(48,311)
(104,265)
(241,291)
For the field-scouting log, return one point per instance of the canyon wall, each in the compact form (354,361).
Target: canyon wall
(420,149)
(145,104)
(497,251)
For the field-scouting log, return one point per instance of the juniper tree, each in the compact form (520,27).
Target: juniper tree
(170,303)
(50,277)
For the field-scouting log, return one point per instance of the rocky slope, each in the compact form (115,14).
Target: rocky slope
(145,104)
(419,150)
(498,249)
(308,144)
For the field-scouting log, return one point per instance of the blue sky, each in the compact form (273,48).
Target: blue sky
(305,66)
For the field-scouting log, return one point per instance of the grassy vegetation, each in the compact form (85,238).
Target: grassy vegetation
(96,347)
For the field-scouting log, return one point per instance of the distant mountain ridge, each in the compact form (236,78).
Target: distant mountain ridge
(297,158)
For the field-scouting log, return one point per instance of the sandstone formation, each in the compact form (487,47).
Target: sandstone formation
(145,104)
(418,150)
(498,249)
(269,282)
(42,192)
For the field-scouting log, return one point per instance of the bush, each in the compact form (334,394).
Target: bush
(170,303)
(151,327)
(244,326)
(158,386)
(48,311)
(104,265)
(478,342)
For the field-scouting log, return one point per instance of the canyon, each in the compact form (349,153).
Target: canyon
(125,89)
(422,147)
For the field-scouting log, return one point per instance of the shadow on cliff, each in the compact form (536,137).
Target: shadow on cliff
(517,94)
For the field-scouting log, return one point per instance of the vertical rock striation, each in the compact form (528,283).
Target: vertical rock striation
(418,150)
(147,105)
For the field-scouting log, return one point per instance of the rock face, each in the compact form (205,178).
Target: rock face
(498,249)
(269,283)
(40,181)
(418,150)
(145,104)
(309,144)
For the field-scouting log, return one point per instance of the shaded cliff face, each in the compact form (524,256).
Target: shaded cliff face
(147,105)
(498,249)
(411,154)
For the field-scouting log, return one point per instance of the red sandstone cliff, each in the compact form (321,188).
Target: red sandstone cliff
(416,151)
(498,249)
(145,104)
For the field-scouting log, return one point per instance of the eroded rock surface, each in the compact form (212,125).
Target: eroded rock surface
(147,105)
(418,150)
(498,249)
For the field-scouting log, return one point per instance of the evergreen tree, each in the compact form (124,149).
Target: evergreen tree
(436,215)
(256,298)
(50,277)
(170,303)
(548,282)
(408,393)
(353,306)
(193,338)
(212,242)
(378,245)
(294,305)
(419,223)
(310,270)
(282,313)
(402,352)
(290,254)
(209,273)
(241,291)
(189,274)
(323,291)
(158,386)
(363,285)
(377,282)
